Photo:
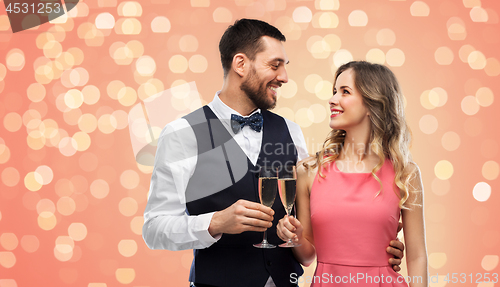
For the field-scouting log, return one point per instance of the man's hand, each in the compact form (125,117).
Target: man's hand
(396,249)
(242,216)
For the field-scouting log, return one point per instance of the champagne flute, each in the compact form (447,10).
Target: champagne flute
(268,181)
(287,186)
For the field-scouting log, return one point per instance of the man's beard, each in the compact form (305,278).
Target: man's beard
(256,92)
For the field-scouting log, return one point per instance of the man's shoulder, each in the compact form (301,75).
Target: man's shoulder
(292,126)
(178,130)
(275,116)
(185,121)
(199,116)
(176,124)
(182,129)
(271,114)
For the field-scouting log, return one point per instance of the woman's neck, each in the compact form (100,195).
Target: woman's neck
(357,146)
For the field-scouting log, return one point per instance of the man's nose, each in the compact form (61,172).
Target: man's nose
(282,75)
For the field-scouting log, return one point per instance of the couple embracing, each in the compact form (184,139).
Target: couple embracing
(350,195)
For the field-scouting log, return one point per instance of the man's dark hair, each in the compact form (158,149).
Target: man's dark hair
(244,36)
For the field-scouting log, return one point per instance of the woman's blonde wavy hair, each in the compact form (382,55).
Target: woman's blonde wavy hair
(390,135)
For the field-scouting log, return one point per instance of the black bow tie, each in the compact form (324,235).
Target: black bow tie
(254,122)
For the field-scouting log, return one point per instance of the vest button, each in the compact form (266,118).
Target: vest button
(269,263)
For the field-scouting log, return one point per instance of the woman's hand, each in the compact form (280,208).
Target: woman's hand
(289,228)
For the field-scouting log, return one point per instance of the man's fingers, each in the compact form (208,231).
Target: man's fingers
(397,244)
(257,222)
(254,228)
(257,206)
(394,261)
(395,252)
(257,214)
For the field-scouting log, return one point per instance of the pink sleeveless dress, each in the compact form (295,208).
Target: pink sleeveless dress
(352,228)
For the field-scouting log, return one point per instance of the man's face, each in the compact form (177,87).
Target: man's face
(266,74)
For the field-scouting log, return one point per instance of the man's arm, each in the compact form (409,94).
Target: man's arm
(166,223)
(298,139)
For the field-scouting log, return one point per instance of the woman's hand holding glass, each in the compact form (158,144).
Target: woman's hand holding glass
(290,227)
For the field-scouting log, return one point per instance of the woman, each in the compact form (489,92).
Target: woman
(350,196)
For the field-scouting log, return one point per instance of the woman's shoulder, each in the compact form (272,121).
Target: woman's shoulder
(307,166)
(307,162)
(412,168)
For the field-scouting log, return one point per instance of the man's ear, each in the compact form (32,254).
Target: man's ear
(240,64)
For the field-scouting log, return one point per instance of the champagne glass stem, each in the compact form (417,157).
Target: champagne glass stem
(289,241)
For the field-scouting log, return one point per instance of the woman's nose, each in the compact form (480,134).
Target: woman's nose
(333,100)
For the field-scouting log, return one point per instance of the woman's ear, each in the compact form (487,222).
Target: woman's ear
(240,62)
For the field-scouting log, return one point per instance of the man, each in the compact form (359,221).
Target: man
(204,193)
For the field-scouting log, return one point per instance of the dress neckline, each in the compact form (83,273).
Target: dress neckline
(362,173)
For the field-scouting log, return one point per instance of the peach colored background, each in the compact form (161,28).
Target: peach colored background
(72,194)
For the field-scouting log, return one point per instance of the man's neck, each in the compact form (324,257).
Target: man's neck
(236,99)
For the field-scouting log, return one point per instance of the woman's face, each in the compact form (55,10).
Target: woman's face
(346,105)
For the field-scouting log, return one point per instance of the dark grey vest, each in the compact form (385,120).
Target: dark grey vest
(222,176)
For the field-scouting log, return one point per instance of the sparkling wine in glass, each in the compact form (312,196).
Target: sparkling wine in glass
(268,185)
(287,178)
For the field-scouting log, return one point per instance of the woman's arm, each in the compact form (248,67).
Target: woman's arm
(300,230)
(414,233)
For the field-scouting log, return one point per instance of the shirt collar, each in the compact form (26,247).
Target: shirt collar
(223,111)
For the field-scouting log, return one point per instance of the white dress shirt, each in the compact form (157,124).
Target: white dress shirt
(166,223)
